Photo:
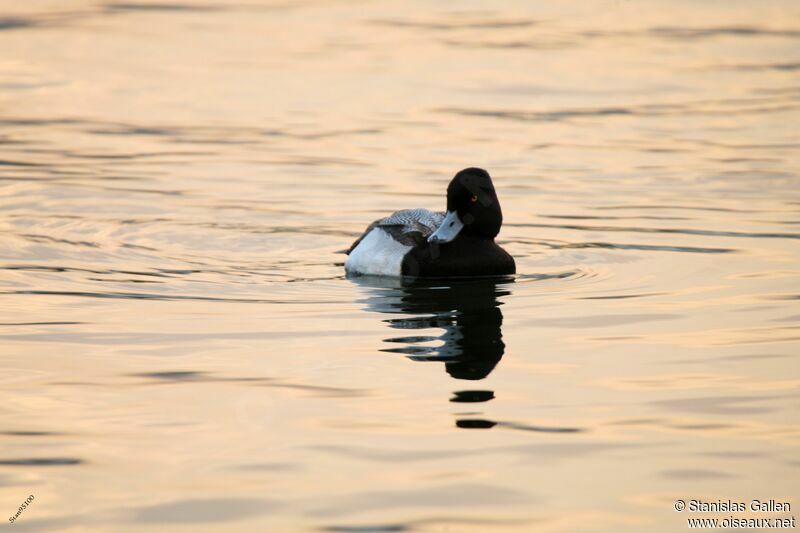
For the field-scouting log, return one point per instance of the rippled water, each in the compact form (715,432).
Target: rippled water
(181,350)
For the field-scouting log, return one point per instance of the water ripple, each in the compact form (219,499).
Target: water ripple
(679,231)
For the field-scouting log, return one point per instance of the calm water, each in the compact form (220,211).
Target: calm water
(180,348)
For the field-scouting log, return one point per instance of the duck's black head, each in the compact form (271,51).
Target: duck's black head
(472,208)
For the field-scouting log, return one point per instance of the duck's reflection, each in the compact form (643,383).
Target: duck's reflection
(472,343)
(467,310)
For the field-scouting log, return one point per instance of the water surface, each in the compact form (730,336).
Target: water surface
(180,349)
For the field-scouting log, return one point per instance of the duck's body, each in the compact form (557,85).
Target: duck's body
(422,243)
(381,250)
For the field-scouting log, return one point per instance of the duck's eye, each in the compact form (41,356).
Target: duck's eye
(473,199)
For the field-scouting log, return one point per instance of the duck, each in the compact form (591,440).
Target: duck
(457,242)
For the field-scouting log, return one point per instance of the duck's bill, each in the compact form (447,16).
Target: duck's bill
(451,226)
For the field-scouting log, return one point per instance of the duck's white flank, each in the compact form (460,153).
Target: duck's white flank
(377,254)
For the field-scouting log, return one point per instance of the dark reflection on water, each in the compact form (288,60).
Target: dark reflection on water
(41,461)
(467,310)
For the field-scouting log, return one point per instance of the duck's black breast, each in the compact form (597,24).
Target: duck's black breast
(464,256)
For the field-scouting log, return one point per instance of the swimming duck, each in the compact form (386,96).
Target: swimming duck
(422,243)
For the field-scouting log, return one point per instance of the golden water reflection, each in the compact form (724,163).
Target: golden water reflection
(179,345)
